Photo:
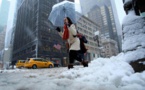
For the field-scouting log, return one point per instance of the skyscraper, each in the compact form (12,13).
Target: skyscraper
(87,5)
(107,29)
(118,24)
(104,17)
(86,27)
(95,15)
(34,35)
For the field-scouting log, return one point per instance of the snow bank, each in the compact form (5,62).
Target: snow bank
(133,32)
(133,55)
(133,37)
(102,74)
(105,74)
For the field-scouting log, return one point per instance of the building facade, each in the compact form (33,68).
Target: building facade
(100,12)
(107,29)
(109,48)
(87,5)
(34,35)
(86,27)
(96,16)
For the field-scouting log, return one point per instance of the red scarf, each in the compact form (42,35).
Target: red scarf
(65,33)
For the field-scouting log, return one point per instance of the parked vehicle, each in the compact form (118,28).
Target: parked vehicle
(38,63)
(20,63)
(56,64)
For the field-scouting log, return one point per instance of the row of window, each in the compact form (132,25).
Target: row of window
(26,51)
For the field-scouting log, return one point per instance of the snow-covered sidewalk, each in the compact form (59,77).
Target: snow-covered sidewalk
(102,74)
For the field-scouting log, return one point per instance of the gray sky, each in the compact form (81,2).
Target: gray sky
(120,10)
(0,1)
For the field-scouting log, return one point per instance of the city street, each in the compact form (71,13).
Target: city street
(41,40)
(102,74)
(28,79)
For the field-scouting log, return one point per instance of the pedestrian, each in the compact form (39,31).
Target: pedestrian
(70,34)
(139,7)
(83,49)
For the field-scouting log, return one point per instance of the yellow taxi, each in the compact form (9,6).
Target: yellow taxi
(20,63)
(38,63)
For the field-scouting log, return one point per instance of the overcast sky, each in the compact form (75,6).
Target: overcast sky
(0,2)
(120,11)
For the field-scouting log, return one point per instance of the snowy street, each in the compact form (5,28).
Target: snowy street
(25,79)
(109,34)
(102,74)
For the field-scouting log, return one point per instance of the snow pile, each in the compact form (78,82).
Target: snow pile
(106,74)
(102,74)
(133,37)
(134,32)
(132,55)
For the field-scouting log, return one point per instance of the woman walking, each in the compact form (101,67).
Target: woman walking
(70,34)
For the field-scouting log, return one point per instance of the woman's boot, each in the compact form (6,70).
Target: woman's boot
(70,66)
(85,63)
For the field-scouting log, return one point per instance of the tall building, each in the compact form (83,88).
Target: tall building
(86,27)
(11,22)
(107,29)
(87,5)
(100,11)
(7,52)
(96,16)
(118,24)
(34,35)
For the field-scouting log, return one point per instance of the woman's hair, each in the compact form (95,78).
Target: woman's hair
(69,21)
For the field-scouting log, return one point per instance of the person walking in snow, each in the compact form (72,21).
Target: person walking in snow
(139,7)
(70,34)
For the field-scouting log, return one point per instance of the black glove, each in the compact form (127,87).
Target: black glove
(58,29)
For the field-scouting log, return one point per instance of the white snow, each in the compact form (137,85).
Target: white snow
(102,74)
(133,37)
(134,32)
(12,71)
(133,55)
